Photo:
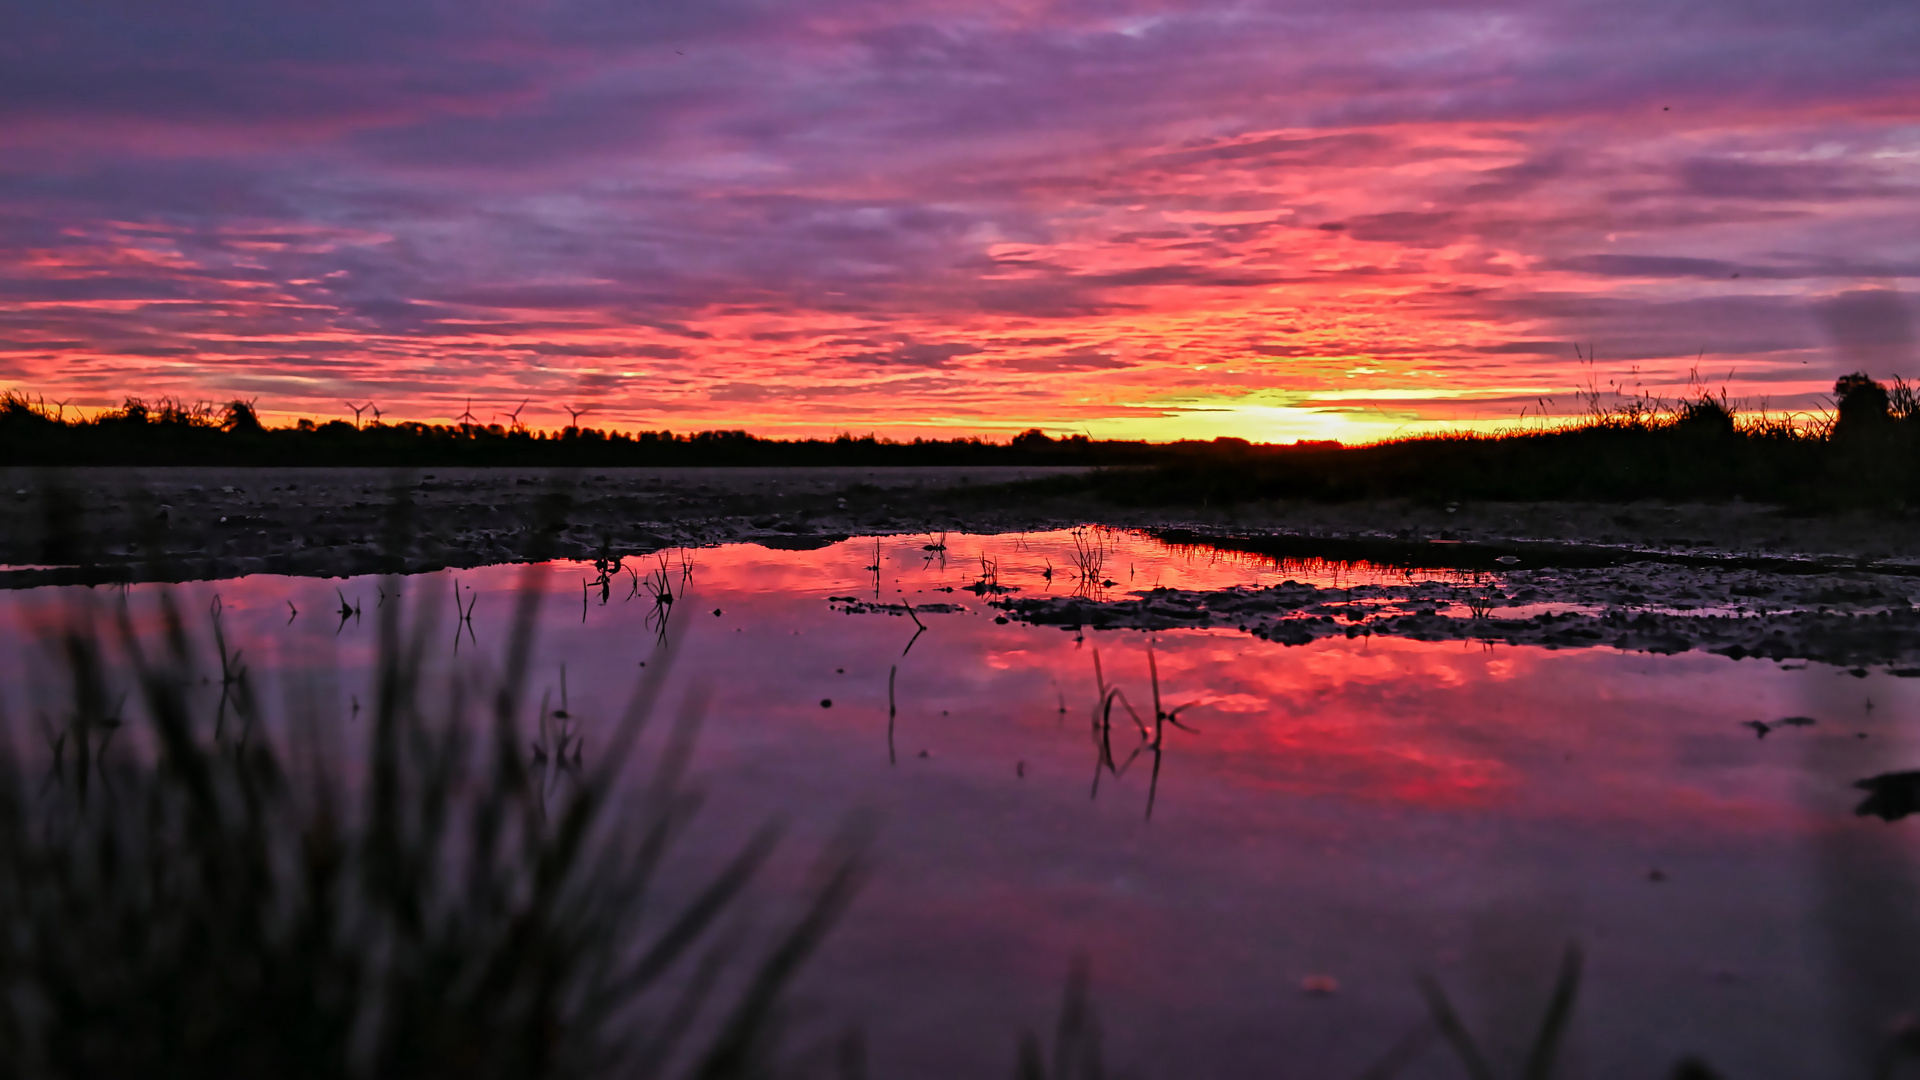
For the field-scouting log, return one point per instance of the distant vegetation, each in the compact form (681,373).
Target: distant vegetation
(170,432)
(1865,451)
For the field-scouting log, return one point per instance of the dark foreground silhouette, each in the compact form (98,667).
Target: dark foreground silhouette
(215,894)
(1864,453)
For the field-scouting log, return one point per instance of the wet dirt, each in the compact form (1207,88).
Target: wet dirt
(1735,578)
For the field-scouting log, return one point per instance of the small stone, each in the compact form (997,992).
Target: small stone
(1320,986)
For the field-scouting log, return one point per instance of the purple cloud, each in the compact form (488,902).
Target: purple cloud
(644,200)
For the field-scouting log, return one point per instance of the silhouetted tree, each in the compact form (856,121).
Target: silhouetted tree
(1862,403)
(240,417)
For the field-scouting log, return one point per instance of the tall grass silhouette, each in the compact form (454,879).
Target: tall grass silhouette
(221,893)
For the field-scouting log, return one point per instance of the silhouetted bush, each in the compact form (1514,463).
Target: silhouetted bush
(1862,405)
(239,418)
(1707,416)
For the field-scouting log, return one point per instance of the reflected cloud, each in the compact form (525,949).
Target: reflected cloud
(1398,802)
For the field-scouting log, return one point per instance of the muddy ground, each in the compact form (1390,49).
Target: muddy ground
(179,523)
(1740,579)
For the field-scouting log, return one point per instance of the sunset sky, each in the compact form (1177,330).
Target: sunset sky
(1275,220)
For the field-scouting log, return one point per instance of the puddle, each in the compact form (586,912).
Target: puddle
(1347,812)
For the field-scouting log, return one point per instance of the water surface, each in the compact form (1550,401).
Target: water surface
(1346,813)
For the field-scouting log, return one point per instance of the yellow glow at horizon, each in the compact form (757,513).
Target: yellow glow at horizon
(1281,424)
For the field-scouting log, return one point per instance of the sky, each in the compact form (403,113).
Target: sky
(1270,219)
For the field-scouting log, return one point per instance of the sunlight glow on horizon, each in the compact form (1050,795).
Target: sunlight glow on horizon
(1304,222)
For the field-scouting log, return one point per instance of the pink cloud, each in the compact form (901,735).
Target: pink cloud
(1067,212)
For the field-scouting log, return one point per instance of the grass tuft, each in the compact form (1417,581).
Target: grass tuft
(222,895)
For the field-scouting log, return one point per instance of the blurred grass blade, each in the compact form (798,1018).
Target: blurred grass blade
(1553,1027)
(1447,1020)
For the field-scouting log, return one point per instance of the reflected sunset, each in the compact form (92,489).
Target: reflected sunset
(1354,807)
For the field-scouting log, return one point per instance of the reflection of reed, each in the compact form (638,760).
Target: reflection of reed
(236,690)
(921,627)
(658,586)
(936,549)
(347,611)
(1151,738)
(874,568)
(892,673)
(1330,571)
(606,567)
(463,616)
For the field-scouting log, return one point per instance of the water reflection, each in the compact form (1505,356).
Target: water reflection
(1355,810)
(1151,737)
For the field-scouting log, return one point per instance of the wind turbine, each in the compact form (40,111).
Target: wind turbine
(515,414)
(574,414)
(467,419)
(357,410)
(376,411)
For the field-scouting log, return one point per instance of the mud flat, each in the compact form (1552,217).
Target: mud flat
(204,522)
(1832,608)
(1735,578)
(200,523)
(1875,625)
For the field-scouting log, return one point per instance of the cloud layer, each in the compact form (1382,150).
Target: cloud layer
(1276,220)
